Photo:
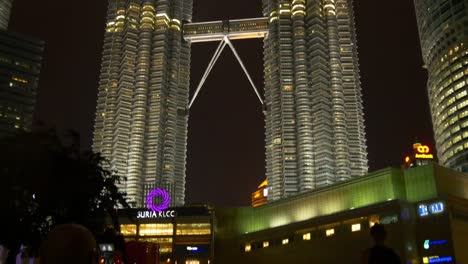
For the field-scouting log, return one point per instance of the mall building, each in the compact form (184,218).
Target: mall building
(424,209)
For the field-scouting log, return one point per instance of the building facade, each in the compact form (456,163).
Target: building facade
(5,10)
(314,121)
(424,209)
(183,234)
(314,115)
(443,33)
(20,65)
(141,117)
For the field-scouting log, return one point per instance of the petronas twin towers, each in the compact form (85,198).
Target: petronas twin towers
(314,123)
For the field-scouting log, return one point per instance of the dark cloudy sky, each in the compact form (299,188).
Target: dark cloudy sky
(226,137)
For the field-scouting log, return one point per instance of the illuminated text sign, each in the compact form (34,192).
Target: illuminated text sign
(434,208)
(154,214)
(431,243)
(189,248)
(422,152)
(424,156)
(437,259)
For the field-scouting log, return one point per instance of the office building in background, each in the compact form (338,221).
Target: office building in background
(5,10)
(443,33)
(313,105)
(20,65)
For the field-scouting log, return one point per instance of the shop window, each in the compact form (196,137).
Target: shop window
(356,227)
(247,247)
(194,229)
(128,230)
(156,229)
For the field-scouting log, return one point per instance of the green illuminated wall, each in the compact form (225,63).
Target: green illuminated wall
(413,185)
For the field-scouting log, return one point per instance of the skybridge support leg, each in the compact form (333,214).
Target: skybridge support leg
(219,50)
(226,39)
(216,55)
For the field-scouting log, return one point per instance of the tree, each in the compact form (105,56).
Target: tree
(46,180)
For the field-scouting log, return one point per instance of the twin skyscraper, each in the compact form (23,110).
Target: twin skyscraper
(314,124)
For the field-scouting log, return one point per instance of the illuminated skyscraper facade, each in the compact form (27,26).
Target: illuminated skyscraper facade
(5,10)
(443,31)
(313,107)
(20,65)
(314,115)
(141,117)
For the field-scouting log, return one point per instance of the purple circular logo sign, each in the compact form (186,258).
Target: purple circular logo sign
(165,200)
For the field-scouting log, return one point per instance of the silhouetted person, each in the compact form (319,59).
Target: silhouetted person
(71,244)
(379,253)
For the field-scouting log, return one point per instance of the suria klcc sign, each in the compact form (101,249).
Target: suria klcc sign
(158,210)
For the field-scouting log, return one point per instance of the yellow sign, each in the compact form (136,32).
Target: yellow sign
(424,156)
(423,149)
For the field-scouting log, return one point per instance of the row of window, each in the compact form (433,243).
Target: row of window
(304,236)
(165,229)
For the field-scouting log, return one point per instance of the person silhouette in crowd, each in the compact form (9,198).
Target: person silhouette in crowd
(71,244)
(379,253)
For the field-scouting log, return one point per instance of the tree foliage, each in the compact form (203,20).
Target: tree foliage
(45,180)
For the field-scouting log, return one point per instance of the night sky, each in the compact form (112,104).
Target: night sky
(226,137)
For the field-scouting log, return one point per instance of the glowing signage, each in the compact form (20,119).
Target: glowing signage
(434,208)
(189,248)
(165,200)
(424,156)
(437,259)
(422,151)
(430,243)
(154,214)
(423,210)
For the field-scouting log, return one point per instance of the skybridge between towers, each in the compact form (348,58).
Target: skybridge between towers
(233,29)
(224,32)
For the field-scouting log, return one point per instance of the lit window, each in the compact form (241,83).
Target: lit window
(128,230)
(19,79)
(266,244)
(306,236)
(248,247)
(156,230)
(356,227)
(194,229)
(165,243)
(287,88)
(285,241)
(330,232)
